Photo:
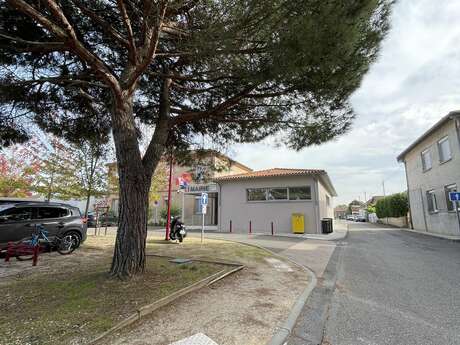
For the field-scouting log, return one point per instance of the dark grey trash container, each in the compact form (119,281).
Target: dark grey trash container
(326,226)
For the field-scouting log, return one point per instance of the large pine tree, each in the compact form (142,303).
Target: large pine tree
(236,71)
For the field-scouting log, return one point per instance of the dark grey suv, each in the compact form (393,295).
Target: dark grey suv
(17,221)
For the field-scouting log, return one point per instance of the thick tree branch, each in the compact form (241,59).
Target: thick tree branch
(127,22)
(68,34)
(25,8)
(61,80)
(191,78)
(215,111)
(35,46)
(150,46)
(107,27)
(160,136)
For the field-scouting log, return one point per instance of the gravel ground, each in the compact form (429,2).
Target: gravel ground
(242,309)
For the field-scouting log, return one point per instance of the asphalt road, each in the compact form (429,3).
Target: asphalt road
(386,287)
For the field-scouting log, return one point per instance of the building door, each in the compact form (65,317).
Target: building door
(210,219)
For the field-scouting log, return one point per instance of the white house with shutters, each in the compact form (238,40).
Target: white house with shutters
(432,165)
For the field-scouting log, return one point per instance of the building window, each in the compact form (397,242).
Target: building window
(300,193)
(277,193)
(444,150)
(257,194)
(328,201)
(448,189)
(426,160)
(196,205)
(431,199)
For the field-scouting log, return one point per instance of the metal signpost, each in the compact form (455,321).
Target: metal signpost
(455,198)
(203,204)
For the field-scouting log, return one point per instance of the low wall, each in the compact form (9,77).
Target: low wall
(400,222)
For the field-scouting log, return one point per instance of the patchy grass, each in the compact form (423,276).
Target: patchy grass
(75,300)
(71,299)
(210,249)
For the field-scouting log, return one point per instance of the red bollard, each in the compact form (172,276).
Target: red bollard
(272,228)
(9,251)
(230,226)
(35,257)
(250,227)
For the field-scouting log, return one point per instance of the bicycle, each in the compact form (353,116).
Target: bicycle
(64,245)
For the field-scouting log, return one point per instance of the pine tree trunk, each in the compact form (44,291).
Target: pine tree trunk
(135,177)
(129,254)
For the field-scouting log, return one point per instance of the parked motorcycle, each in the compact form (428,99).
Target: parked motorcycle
(178,231)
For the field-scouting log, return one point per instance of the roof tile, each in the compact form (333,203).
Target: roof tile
(271,172)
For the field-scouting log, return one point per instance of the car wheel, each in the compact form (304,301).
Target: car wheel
(76,238)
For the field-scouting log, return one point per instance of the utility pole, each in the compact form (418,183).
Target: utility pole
(384,194)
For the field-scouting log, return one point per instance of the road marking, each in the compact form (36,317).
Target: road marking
(279,265)
(197,339)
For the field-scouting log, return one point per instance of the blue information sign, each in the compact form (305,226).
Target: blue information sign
(454,196)
(204,199)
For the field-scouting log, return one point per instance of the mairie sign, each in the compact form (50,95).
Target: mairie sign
(454,196)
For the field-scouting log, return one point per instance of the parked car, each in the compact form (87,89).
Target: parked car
(91,220)
(17,221)
(360,219)
(351,217)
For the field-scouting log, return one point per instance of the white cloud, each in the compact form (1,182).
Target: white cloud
(415,82)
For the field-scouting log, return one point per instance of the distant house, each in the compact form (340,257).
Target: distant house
(373,200)
(189,180)
(357,210)
(372,217)
(340,212)
(432,164)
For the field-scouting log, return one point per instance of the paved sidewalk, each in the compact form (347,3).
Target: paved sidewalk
(338,234)
(313,254)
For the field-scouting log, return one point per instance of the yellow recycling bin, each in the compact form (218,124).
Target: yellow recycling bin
(298,223)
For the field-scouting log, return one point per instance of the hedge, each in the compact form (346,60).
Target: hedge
(395,205)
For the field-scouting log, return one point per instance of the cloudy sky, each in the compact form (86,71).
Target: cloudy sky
(415,82)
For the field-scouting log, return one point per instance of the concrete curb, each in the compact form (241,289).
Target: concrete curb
(283,332)
(438,236)
(149,308)
(280,337)
(333,237)
(330,237)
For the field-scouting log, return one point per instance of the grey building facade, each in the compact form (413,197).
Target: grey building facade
(260,198)
(432,164)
